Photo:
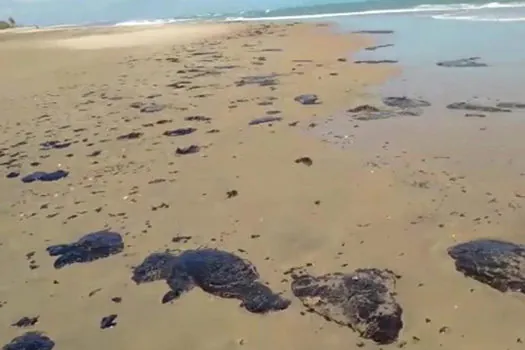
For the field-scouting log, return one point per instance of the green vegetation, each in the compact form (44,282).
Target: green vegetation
(10,23)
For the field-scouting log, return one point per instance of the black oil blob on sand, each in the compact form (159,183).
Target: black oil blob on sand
(30,341)
(363,300)
(216,272)
(45,177)
(498,264)
(93,246)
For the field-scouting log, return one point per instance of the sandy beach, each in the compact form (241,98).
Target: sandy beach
(110,96)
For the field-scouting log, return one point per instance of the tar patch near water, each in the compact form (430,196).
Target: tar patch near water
(467,106)
(470,62)
(405,102)
(307,99)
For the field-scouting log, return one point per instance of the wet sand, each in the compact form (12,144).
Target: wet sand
(467,163)
(376,206)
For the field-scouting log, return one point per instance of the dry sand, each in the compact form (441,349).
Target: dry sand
(365,216)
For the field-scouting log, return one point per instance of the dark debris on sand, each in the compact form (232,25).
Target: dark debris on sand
(470,62)
(179,132)
(467,106)
(152,108)
(363,300)
(12,175)
(405,102)
(265,120)
(375,61)
(30,341)
(26,322)
(183,239)
(304,160)
(48,145)
(363,108)
(261,80)
(198,118)
(187,150)
(108,321)
(217,272)
(367,115)
(307,99)
(90,247)
(396,107)
(231,194)
(374,32)
(376,47)
(496,263)
(130,136)
(45,176)
(511,105)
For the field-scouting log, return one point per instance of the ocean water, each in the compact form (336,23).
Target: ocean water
(131,12)
(420,42)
